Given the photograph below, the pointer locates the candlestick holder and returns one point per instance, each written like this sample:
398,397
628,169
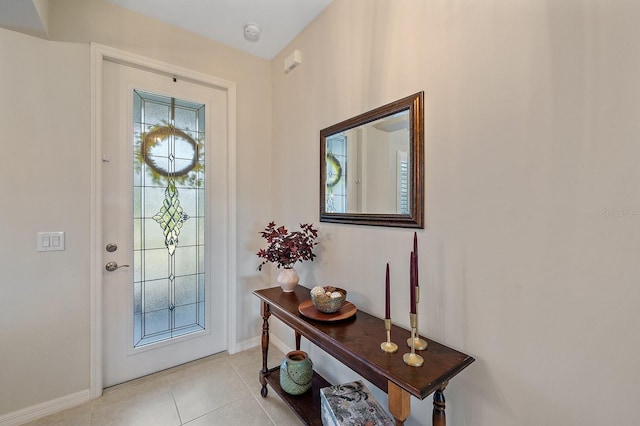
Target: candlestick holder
388,346
413,359
418,343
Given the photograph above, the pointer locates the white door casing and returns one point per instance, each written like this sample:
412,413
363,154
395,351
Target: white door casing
157,77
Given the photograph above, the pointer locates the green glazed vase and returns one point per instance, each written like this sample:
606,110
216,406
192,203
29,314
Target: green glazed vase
296,373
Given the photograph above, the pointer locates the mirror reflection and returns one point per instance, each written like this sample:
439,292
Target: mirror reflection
371,167
367,170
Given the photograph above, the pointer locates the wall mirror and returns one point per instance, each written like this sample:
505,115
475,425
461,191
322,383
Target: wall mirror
372,167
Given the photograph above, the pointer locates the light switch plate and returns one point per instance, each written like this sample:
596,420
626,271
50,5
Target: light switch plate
50,241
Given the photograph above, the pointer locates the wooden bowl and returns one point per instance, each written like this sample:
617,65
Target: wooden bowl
325,302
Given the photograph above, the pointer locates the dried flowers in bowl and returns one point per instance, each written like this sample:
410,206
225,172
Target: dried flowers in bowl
328,299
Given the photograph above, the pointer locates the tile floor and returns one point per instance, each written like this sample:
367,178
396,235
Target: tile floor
221,390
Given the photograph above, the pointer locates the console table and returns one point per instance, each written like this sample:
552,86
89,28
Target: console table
355,342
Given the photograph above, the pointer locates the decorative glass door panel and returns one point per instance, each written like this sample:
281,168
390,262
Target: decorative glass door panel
336,198
169,218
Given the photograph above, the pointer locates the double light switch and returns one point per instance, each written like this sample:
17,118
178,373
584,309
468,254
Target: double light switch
50,241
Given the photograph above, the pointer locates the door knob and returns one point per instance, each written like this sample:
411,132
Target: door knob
112,266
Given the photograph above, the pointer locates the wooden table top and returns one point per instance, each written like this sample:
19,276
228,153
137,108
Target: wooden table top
355,342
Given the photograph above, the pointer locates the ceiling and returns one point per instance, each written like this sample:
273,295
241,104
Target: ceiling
21,16
280,21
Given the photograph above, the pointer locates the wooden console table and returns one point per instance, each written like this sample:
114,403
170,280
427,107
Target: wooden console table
355,342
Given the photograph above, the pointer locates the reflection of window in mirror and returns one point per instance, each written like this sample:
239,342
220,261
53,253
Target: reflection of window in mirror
402,182
336,190
376,176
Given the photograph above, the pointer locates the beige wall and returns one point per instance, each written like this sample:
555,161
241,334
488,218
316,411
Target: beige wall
45,116
529,257
45,175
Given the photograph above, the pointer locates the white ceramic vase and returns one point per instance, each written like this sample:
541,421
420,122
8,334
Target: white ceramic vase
288,279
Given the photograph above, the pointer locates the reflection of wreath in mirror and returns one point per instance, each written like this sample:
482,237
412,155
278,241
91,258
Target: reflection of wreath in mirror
334,170
156,135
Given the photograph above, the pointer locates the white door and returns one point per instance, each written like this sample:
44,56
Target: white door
164,183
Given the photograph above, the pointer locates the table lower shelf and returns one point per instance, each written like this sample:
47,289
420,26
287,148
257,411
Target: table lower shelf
307,405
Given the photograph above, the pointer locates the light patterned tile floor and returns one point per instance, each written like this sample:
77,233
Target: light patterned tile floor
218,390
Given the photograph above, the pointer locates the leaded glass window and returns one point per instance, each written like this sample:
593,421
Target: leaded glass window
336,191
169,217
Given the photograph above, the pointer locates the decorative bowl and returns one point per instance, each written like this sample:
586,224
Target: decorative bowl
328,299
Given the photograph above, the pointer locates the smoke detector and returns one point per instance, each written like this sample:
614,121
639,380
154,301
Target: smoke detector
252,32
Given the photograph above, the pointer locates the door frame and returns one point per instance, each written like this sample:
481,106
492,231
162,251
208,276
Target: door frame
99,54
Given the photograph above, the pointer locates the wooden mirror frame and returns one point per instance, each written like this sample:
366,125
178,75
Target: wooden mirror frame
415,219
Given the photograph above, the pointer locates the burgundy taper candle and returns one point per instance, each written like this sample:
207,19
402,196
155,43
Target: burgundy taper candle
415,250
412,282
387,306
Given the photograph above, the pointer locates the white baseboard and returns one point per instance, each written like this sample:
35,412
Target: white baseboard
44,409
257,341
273,340
245,344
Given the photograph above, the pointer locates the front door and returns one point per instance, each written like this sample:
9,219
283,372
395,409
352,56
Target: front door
164,183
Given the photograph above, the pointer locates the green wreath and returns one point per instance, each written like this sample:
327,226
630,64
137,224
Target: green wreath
334,170
152,138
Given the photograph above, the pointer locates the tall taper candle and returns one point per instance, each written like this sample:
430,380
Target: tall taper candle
412,282
415,250
387,310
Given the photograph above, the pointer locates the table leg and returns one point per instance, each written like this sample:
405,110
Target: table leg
399,403
266,313
439,418
298,341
